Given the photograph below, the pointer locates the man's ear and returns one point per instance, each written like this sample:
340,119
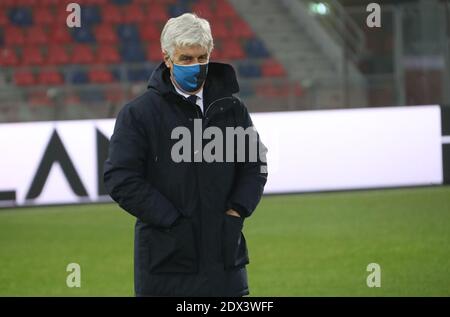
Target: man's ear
166,59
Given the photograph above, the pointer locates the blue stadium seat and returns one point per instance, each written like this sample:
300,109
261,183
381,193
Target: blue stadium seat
249,70
133,53
90,15
128,33
78,77
256,49
121,2
141,74
83,35
178,9
21,16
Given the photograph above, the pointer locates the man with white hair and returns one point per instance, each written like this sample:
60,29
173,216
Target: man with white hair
190,213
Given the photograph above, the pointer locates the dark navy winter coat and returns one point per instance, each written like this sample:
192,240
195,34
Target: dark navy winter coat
185,244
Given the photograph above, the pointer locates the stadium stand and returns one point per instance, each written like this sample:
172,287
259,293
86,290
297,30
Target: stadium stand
118,42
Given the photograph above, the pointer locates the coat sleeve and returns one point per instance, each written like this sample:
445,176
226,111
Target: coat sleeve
251,177
124,173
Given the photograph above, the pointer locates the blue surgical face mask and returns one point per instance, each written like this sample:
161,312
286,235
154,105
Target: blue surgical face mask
190,77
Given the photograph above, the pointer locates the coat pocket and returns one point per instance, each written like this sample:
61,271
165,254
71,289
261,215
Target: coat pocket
173,250
234,247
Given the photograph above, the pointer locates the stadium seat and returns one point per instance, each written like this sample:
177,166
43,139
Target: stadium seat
57,55
249,70
47,3
149,32
82,54
219,29
133,53
60,36
271,68
8,57
100,76
42,16
78,77
83,35
225,10
90,15
105,34
256,49
24,78
128,33
3,18
13,36
32,56
121,2
240,29
177,9
154,53
203,9
36,36
20,16
107,54
112,14
157,13
232,49
134,14
50,77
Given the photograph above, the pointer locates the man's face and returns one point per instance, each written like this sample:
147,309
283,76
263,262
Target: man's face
187,55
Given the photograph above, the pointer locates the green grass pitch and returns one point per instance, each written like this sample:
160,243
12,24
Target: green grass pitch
299,245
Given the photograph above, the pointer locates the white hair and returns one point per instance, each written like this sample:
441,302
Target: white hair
186,30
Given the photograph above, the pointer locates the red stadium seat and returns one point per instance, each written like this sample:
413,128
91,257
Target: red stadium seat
3,18
134,14
225,10
50,77
13,36
8,57
149,32
7,3
36,36
240,29
232,49
100,76
203,9
43,16
82,54
157,13
154,53
32,56
57,55
219,29
60,35
45,3
24,78
107,55
216,54
105,34
271,68
112,14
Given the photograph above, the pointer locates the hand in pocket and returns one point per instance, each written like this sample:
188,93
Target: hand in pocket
234,247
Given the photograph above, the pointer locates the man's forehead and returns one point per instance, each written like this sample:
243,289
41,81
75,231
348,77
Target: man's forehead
190,50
